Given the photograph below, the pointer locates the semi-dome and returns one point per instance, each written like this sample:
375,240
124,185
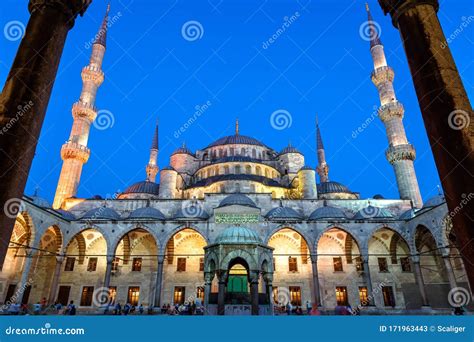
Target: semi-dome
237,199
370,212
327,213
143,187
66,214
434,201
238,235
283,213
332,187
101,213
236,139
147,213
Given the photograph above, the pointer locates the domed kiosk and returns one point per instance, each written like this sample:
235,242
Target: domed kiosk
237,258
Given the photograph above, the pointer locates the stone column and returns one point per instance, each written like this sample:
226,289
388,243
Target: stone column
26,94
419,280
108,273
316,289
222,277
54,284
25,280
269,290
254,275
367,278
208,276
449,270
159,281
446,110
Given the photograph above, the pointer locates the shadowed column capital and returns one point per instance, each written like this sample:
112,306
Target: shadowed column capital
70,8
398,7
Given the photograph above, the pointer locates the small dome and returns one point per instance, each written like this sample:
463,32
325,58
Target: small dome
332,187
409,214
238,235
289,149
170,168
101,213
147,213
236,139
434,201
237,199
327,213
378,196
308,168
66,214
283,213
182,150
143,187
372,212
40,201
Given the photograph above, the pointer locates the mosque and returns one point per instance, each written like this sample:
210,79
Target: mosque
236,226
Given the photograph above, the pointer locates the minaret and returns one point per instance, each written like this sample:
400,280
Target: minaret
152,167
237,126
74,152
400,153
323,168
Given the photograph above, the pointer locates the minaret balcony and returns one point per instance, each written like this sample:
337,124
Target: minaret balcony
84,110
382,74
400,152
391,110
92,73
71,150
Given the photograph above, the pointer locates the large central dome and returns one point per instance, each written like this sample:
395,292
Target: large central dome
236,139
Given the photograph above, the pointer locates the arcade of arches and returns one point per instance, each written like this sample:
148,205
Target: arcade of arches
333,269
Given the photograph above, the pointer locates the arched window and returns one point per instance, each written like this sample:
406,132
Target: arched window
258,170
237,187
208,173
242,151
226,170
274,174
254,153
221,188
252,187
216,171
237,169
231,151
225,153
248,169
266,173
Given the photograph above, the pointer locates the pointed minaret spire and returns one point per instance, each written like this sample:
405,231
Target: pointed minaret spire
152,167
101,36
323,168
237,126
373,32
400,152
75,152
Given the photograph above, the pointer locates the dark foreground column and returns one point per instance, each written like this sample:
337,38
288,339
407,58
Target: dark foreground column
254,277
446,110
25,97
420,282
159,281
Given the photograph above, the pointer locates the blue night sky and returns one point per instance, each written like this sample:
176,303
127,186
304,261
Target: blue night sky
319,64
